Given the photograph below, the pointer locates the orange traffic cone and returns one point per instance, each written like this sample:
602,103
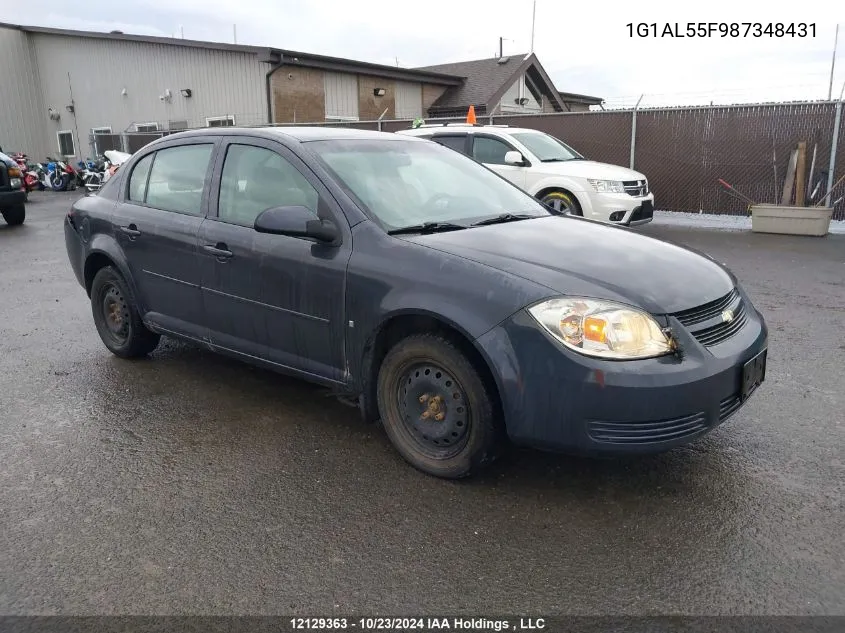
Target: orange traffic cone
471,115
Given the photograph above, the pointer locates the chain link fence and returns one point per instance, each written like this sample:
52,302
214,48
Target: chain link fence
683,152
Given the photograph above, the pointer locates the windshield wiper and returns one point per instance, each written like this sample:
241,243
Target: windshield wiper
505,217
427,227
561,160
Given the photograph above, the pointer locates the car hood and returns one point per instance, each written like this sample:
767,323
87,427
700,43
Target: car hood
590,169
572,256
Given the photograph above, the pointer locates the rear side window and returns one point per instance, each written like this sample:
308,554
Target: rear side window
457,143
489,150
256,179
177,178
138,180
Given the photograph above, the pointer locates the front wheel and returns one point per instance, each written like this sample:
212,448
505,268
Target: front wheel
58,181
436,408
562,202
116,316
15,215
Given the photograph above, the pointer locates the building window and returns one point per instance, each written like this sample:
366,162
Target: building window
220,121
175,126
341,96
408,100
66,147
101,130
146,127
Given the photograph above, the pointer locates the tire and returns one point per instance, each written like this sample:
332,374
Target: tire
562,202
116,316
15,215
58,182
425,376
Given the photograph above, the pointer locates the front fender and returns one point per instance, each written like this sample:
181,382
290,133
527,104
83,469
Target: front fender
557,181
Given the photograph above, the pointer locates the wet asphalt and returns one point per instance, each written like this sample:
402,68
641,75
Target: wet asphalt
189,483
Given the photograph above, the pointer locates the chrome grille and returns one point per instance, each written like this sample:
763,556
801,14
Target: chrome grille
635,188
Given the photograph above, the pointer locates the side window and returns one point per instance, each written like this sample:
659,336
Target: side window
138,180
177,178
457,143
489,150
255,179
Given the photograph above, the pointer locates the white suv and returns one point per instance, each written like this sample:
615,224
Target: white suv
551,171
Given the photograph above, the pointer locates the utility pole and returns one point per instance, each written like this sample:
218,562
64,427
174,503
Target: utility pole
833,64
533,21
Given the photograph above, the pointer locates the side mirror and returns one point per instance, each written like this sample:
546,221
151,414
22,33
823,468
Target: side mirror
514,158
296,222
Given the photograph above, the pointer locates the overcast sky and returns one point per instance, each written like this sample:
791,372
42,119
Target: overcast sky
584,45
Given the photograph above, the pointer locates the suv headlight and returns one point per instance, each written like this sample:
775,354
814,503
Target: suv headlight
607,186
602,328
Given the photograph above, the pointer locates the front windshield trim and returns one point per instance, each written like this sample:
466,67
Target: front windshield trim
333,153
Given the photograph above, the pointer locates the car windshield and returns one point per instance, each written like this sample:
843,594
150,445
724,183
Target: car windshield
404,183
546,148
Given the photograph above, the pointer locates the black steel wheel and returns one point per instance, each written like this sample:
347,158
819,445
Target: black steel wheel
436,408
116,316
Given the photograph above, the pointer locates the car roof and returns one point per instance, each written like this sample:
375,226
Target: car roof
430,130
303,134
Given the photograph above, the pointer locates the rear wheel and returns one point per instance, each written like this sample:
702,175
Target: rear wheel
15,215
562,202
116,316
436,408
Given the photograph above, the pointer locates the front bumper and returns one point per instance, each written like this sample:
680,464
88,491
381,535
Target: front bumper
554,398
618,208
12,198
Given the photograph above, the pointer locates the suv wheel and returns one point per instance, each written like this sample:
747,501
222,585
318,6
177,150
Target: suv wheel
562,202
116,316
436,409
15,215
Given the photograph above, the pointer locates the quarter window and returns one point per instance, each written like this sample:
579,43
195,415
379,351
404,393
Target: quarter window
453,142
255,179
177,178
138,180
489,150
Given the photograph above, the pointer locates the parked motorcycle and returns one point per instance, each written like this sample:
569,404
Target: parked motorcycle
60,175
30,177
92,174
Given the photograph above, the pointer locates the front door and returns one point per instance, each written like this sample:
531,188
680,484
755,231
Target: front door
490,151
272,297
157,227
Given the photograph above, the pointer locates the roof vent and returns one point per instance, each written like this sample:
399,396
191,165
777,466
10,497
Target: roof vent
503,60
115,32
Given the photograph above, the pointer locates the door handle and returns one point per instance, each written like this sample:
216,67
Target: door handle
219,250
131,230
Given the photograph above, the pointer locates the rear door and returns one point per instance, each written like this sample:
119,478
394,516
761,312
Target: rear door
490,151
157,224
273,297
457,142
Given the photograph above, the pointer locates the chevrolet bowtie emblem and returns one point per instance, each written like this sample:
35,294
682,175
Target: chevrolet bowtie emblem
727,316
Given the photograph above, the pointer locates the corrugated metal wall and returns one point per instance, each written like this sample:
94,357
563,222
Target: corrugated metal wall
408,100
341,95
221,82
22,112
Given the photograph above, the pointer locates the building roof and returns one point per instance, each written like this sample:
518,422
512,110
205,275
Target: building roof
573,97
264,54
484,78
488,79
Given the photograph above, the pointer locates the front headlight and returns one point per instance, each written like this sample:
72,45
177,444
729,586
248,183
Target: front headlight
602,328
607,186
15,183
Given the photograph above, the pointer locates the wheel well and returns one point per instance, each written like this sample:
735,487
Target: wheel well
548,190
93,264
402,326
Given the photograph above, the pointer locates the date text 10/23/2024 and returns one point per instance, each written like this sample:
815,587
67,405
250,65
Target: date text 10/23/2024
721,29
405,624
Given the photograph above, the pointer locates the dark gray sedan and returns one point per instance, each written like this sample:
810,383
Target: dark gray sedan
455,308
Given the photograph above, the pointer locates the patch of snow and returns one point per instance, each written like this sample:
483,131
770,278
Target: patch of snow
720,222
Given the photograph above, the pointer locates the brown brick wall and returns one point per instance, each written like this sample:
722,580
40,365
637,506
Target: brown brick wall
300,98
430,94
370,107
